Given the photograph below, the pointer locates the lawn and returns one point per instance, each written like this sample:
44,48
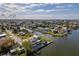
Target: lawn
57,34
43,39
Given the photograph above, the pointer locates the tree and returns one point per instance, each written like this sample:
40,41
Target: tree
2,28
28,47
14,30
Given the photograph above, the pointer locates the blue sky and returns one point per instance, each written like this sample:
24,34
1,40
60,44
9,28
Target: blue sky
39,11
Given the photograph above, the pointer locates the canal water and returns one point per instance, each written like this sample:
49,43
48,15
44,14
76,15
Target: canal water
64,46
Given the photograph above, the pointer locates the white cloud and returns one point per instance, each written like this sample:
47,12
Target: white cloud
40,10
50,11
58,6
15,9
12,9
31,5
70,5
22,12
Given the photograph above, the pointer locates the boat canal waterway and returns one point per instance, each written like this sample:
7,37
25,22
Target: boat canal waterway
64,46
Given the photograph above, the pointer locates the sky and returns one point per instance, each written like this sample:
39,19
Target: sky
39,11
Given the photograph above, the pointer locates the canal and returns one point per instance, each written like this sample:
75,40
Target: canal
64,46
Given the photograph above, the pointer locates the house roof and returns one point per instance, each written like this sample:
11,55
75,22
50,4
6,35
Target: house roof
2,34
6,42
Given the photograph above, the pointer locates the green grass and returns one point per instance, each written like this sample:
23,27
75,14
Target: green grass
43,39
56,35
59,35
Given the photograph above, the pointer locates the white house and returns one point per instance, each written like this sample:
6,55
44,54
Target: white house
2,35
